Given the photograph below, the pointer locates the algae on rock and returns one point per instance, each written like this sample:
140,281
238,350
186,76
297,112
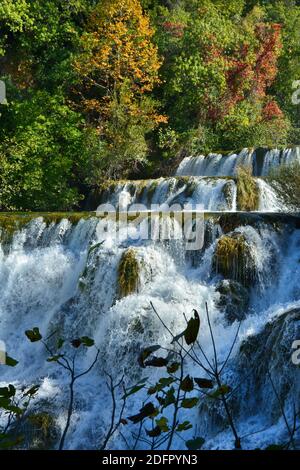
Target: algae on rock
128,273
233,259
247,190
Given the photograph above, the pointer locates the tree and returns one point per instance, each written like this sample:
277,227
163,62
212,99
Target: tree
44,150
218,71
117,69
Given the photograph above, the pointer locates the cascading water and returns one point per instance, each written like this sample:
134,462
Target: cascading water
209,182
261,161
65,276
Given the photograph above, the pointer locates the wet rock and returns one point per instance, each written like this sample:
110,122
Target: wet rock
234,300
269,353
233,259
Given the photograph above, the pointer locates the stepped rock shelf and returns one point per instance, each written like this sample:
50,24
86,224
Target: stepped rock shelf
58,272
211,182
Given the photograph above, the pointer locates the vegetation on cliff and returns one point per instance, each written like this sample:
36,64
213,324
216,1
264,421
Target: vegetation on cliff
119,88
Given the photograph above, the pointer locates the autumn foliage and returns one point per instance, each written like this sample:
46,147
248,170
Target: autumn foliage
117,48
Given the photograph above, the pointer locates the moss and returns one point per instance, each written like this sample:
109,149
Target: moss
128,273
10,223
233,259
247,190
151,190
42,430
230,221
227,193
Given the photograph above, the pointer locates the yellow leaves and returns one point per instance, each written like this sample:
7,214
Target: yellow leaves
117,50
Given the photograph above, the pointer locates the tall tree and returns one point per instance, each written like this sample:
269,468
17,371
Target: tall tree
117,70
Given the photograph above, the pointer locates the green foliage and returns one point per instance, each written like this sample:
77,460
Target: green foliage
96,90
14,409
286,179
43,153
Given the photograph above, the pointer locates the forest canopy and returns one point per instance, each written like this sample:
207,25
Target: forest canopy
119,88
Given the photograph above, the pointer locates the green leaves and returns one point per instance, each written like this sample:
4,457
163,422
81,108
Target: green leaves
195,444
162,423
190,334
192,330
88,342
221,391
169,398
55,358
157,362
160,385
33,335
136,388
189,402
84,340
145,353
204,383
154,361
7,392
11,362
173,367
187,385
146,411
184,426
32,391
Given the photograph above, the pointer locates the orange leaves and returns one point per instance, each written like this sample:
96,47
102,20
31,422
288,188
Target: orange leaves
117,48
121,45
272,111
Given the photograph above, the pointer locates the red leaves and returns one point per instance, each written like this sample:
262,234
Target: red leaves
248,75
272,111
174,29
266,63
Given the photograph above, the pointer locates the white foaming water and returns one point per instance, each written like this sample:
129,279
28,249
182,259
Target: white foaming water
215,164
268,199
275,157
207,192
58,277
211,194
226,165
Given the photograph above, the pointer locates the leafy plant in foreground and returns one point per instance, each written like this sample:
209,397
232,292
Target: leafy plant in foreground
66,361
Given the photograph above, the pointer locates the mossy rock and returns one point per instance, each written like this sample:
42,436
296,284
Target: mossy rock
10,223
234,300
128,273
233,259
37,432
44,431
247,190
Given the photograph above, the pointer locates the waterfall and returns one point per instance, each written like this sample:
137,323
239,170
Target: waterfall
60,275
215,164
212,194
260,160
